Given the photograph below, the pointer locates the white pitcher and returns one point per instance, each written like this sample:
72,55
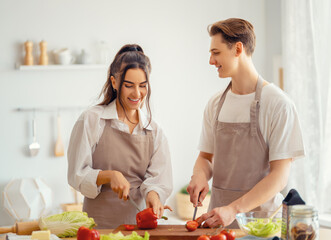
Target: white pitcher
63,56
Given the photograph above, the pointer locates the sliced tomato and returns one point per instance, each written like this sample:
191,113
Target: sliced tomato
129,227
199,221
191,225
230,234
220,236
203,237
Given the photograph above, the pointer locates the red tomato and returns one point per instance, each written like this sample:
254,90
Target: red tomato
199,221
230,234
220,236
191,225
203,237
129,227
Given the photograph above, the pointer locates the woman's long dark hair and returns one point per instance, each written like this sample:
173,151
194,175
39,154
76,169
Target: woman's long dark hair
130,56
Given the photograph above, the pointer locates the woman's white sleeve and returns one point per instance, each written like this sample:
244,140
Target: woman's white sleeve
81,175
158,176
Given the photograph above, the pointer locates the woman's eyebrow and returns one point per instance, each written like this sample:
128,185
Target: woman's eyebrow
133,83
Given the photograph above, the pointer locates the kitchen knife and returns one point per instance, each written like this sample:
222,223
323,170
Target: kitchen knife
196,208
134,204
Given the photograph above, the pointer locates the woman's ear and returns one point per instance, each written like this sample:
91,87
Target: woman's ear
239,48
113,82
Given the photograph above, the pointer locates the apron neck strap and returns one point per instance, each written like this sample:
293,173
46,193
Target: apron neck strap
255,107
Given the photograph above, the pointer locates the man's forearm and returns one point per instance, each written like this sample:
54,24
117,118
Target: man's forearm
267,188
203,166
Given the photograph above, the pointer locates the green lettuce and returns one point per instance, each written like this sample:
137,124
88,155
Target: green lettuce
66,224
119,236
260,228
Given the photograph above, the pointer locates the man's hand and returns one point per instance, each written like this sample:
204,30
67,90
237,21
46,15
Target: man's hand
219,216
197,184
202,172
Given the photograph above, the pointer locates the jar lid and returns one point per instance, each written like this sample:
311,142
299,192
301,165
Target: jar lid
303,210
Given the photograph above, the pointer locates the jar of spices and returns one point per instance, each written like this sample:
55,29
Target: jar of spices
303,223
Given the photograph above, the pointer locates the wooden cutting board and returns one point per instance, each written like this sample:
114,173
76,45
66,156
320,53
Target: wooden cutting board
172,232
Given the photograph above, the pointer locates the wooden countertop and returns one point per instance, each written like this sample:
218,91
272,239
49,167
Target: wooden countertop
325,234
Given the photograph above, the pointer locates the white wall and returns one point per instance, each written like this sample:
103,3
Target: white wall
172,33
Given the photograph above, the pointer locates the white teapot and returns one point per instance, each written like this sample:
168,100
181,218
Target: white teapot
63,56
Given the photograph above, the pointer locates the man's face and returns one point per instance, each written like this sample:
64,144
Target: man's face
223,57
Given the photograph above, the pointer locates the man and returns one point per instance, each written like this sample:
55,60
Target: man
250,133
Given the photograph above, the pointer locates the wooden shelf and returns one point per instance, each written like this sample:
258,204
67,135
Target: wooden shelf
61,67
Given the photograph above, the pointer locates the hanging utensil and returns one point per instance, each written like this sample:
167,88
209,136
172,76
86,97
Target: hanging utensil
59,148
34,146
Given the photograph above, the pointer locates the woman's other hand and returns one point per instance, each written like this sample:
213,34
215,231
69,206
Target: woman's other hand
153,201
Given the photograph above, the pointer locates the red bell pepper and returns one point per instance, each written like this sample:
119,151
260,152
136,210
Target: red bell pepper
146,219
85,233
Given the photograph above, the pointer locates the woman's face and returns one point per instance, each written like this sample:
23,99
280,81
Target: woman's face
223,57
134,89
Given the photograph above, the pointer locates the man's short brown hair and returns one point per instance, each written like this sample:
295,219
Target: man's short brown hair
235,30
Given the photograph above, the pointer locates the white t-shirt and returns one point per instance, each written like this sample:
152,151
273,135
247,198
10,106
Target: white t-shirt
278,121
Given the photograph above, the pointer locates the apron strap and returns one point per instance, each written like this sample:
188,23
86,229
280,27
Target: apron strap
255,107
220,104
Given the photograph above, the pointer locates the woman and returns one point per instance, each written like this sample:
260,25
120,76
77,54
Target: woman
250,133
117,152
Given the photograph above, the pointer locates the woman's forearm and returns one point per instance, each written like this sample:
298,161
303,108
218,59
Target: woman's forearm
104,177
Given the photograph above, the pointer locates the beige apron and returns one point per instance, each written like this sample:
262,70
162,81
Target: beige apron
130,155
240,157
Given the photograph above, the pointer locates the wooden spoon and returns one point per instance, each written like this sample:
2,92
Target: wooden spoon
59,149
275,212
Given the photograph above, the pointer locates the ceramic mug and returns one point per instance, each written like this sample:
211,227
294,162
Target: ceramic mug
63,56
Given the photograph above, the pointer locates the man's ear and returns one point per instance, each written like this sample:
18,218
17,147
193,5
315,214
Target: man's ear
113,82
239,48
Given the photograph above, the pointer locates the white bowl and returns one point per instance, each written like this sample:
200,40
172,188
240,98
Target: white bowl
258,224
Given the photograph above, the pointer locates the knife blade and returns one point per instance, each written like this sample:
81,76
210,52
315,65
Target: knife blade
134,203
196,208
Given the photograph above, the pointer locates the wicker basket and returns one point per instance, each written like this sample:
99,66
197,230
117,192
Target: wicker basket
185,208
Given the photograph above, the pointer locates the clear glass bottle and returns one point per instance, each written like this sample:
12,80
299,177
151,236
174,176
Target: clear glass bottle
303,223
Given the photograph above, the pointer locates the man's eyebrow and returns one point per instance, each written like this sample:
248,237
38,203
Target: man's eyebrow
213,49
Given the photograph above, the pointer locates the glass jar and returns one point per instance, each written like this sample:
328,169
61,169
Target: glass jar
303,223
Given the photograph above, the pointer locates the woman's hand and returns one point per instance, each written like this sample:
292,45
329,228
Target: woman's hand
197,184
119,184
219,216
153,201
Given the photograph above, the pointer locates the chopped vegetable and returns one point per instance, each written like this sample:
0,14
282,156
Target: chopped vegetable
85,233
146,219
129,227
119,236
66,224
261,228
191,225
